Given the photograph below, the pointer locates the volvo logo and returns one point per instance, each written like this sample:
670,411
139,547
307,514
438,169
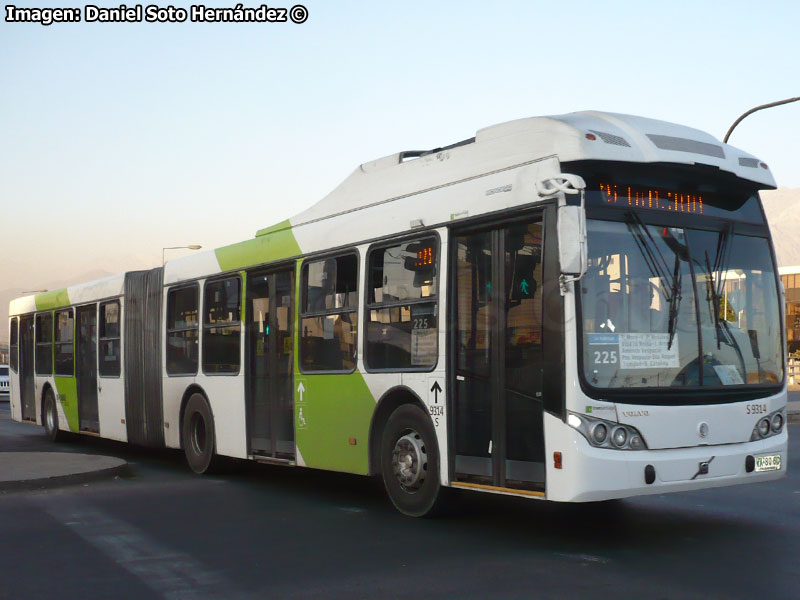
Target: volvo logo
702,429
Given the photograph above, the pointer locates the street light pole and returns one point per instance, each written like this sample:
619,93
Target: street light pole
164,250
757,108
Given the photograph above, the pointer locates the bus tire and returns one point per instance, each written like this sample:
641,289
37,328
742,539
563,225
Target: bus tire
199,440
410,462
50,418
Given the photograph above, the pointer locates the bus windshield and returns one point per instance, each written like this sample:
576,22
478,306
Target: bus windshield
678,307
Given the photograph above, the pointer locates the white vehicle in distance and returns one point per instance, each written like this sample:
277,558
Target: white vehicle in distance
4,384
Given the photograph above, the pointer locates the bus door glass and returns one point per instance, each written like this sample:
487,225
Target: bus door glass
27,390
87,368
270,351
497,278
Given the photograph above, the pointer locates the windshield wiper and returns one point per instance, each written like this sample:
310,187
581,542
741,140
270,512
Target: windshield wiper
716,288
675,300
659,269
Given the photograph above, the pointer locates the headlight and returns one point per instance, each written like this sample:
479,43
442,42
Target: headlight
619,437
599,433
777,422
770,425
607,434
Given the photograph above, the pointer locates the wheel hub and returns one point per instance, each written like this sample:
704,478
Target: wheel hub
50,416
198,434
410,461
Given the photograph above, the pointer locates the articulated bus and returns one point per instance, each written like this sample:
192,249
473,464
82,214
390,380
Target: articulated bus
573,308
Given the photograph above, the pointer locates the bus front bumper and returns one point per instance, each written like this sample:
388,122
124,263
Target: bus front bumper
591,474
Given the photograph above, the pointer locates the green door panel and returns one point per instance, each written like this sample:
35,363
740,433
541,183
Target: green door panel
68,395
330,411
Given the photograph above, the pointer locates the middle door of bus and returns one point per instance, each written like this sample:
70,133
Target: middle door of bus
496,275
26,369
86,370
270,363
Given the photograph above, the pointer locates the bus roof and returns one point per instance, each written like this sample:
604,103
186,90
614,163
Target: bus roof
617,137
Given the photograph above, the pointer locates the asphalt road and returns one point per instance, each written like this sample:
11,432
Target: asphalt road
275,532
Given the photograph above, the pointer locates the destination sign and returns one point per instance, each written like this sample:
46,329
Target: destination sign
635,196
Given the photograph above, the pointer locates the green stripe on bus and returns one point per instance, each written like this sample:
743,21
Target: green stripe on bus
274,243
68,395
52,299
332,412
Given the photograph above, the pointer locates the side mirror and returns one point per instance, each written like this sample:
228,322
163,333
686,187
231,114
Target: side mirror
571,240
572,254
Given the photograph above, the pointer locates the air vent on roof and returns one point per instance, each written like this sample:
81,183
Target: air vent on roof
610,138
667,142
748,162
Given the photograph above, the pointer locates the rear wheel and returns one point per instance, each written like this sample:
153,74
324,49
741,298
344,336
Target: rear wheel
50,417
199,441
410,462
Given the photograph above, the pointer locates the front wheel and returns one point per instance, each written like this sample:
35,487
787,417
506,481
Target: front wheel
198,435
410,462
50,418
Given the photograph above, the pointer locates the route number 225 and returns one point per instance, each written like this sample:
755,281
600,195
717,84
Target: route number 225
605,357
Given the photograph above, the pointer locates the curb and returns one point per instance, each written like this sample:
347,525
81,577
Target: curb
116,466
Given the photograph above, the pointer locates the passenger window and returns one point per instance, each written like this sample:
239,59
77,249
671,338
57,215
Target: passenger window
329,324
182,326
109,358
65,323
402,326
44,344
222,326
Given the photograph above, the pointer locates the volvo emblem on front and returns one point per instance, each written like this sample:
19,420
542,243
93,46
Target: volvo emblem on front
702,429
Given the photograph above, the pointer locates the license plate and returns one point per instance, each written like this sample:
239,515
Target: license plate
768,462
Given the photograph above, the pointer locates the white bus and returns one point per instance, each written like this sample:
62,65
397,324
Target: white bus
572,308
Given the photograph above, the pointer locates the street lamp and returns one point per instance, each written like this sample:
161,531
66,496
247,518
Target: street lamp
189,247
757,108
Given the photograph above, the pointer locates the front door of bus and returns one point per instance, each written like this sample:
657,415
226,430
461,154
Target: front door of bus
497,277
87,368
270,363
26,385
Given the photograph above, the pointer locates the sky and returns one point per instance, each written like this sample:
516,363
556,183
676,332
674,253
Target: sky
117,140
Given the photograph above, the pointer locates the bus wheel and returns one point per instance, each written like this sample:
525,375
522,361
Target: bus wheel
198,435
410,462
50,418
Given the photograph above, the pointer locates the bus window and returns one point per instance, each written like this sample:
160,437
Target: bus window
13,351
402,328
109,339
64,346
329,329
222,326
44,344
182,331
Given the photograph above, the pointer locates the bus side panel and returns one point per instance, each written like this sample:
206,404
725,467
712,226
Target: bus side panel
173,389
15,396
226,397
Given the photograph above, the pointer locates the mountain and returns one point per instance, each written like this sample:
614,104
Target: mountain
782,207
